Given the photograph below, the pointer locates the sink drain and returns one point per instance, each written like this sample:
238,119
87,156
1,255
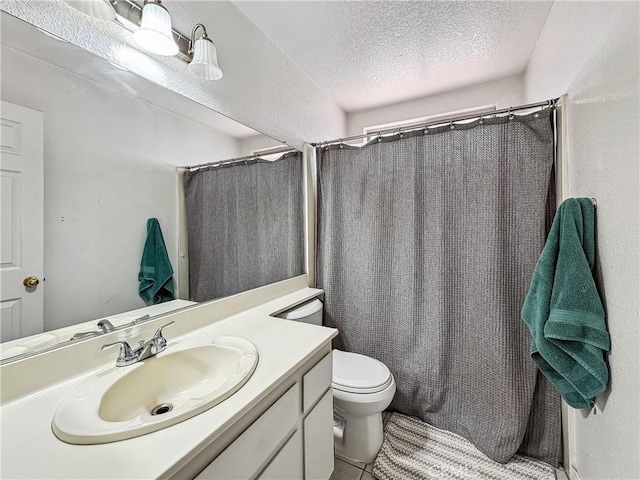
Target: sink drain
162,408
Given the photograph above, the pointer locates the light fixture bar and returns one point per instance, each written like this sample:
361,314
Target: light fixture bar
131,13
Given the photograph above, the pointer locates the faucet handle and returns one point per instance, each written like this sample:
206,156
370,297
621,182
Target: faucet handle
125,350
106,326
140,319
159,342
158,333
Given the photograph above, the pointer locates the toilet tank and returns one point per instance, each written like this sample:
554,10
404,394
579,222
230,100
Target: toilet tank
310,312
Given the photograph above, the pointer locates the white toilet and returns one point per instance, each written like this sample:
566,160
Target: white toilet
362,388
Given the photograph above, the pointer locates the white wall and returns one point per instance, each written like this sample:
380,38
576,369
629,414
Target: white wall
109,162
590,52
257,142
504,93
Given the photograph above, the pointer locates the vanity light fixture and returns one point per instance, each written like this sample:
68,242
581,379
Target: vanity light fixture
205,57
155,33
151,27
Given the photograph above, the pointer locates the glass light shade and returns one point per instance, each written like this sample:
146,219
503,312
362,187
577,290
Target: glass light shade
154,33
101,9
205,60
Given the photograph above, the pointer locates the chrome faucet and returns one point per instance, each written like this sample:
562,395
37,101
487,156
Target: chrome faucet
150,348
106,326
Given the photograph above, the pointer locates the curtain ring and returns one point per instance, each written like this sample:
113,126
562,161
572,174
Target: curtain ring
481,121
379,137
451,125
341,144
510,113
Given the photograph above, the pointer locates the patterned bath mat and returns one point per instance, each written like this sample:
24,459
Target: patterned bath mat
414,450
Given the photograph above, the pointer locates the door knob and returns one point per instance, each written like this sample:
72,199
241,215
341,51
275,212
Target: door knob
31,281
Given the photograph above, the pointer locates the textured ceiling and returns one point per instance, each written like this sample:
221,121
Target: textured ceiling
366,54
292,67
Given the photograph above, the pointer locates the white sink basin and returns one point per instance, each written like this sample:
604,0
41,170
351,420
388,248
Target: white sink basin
189,377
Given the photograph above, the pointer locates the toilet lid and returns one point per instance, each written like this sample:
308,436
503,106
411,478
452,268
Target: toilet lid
357,373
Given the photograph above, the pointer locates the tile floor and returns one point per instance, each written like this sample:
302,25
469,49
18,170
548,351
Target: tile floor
347,469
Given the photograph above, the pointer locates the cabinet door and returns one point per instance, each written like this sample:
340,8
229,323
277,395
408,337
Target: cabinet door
287,464
318,440
253,448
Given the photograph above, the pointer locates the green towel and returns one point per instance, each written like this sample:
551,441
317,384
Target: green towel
156,273
563,309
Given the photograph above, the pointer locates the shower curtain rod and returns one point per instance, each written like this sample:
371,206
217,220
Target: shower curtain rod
421,126
254,158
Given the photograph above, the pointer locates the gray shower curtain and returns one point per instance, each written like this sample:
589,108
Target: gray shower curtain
426,246
245,226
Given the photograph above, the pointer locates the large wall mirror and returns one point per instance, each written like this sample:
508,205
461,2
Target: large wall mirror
112,143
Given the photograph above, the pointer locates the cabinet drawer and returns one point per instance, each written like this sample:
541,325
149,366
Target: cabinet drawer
287,465
316,381
256,444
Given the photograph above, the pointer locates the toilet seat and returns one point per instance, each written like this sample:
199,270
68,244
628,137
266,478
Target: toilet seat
355,373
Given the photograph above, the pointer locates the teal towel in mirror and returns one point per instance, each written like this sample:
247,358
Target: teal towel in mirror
156,274
563,309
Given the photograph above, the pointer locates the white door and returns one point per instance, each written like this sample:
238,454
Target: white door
21,216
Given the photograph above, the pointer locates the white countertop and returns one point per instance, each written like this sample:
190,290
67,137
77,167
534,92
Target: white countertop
29,448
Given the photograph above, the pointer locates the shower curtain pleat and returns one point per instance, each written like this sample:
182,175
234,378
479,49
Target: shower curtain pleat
426,246
244,226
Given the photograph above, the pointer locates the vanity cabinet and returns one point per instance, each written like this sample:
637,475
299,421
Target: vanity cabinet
291,440
288,462
279,425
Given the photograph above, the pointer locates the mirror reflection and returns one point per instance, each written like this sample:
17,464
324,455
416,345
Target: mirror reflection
108,144
260,203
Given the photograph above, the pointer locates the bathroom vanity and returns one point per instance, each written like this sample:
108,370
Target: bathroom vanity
277,426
